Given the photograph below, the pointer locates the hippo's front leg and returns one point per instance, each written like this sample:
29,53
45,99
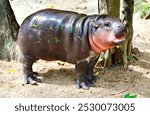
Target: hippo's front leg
91,78
84,70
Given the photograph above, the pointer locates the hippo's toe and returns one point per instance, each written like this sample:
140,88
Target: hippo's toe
32,80
83,85
92,79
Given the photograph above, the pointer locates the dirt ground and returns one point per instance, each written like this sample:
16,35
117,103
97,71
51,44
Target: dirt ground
59,80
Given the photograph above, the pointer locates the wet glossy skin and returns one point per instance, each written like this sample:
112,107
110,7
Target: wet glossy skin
67,36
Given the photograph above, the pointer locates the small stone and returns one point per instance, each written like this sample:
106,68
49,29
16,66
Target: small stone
23,84
130,67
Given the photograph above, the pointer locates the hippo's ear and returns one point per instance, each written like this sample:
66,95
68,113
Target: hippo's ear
95,24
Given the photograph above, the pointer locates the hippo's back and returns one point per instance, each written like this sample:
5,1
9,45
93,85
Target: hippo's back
50,19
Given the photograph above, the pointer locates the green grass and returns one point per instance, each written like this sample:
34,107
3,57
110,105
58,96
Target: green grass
129,58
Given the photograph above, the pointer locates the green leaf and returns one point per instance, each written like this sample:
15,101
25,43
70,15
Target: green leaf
129,95
97,73
57,40
11,71
52,6
34,26
129,58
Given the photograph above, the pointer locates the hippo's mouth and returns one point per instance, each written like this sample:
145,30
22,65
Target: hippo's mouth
120,38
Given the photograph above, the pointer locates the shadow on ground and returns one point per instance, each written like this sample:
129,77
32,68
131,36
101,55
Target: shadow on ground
114,82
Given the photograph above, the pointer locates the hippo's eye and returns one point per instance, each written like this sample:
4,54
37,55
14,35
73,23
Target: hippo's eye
107,24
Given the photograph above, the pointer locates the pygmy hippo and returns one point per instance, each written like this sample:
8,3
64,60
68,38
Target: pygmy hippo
71,37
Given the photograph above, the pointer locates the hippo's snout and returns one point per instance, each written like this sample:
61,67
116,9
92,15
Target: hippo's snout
120,32
119,28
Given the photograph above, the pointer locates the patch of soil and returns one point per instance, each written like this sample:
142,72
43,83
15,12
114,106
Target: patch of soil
59,78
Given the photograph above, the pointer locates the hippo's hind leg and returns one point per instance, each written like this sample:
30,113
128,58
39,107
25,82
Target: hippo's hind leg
27,63
91,78
82,73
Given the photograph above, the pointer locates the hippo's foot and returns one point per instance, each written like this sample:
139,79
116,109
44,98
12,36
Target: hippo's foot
83,85
32,80
92,79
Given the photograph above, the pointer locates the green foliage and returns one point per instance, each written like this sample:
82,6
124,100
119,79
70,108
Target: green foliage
145,9
142,7
129,95
129,58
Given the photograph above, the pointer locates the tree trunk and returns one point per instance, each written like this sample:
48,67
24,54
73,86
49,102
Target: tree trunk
127,17
8,31
111,7
119,55
114,8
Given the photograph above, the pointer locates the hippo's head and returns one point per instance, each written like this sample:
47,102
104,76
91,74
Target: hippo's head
106,32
